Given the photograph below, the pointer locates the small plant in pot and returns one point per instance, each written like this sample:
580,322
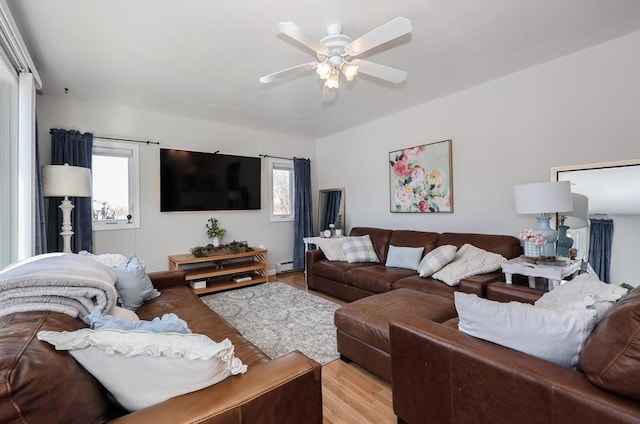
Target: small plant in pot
338,225
215,232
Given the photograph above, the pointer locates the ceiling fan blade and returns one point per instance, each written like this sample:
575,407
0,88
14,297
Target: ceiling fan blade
383,72
293,31
390,31
288,72
328,94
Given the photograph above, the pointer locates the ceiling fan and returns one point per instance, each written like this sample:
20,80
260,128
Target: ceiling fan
336,53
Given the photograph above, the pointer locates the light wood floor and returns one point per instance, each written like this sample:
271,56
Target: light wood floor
350,395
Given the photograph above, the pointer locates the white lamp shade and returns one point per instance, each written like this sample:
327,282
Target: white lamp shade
550,197
65,180
578,218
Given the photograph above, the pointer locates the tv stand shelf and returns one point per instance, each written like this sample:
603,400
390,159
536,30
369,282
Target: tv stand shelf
219,270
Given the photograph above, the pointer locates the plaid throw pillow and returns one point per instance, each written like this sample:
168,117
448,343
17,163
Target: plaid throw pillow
436,260
359,249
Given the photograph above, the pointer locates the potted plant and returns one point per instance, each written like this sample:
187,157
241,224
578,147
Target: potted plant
338,225
215,232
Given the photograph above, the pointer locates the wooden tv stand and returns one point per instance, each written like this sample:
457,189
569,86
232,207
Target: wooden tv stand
219,270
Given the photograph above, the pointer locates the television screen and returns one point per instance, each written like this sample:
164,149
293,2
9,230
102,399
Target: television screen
196,181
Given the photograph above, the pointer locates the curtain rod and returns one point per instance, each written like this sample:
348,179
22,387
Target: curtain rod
275,157
127,139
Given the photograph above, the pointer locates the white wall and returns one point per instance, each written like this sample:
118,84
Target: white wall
577,109
163,234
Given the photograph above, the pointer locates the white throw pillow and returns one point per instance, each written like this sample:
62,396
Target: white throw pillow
107,259
359,249
469,260
585,291
332,249
141,369
404,257
556,336
436,260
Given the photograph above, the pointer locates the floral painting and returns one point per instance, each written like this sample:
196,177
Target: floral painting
420,178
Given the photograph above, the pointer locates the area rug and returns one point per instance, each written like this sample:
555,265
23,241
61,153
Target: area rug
279,319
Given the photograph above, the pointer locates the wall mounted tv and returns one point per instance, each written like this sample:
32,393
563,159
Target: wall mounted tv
196,181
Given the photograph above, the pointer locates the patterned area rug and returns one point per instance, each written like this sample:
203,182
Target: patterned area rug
279,319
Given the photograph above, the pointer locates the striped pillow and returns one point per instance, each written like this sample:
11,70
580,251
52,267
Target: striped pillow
359,249
436,260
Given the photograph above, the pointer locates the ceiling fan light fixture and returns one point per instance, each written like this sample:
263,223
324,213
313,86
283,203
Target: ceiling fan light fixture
324,70
332,81
350,71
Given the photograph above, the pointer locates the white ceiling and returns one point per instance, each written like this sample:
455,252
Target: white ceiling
203,58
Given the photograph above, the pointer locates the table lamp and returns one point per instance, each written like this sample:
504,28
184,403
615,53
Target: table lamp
576,219
545,199
65,181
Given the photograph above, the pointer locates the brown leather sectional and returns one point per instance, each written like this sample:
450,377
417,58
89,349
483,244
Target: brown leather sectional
41,385
357,280
381,294
441,375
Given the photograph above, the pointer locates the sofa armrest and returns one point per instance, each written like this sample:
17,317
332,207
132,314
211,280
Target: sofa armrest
163,279
503,292
436,369
312,256
477,284
284,390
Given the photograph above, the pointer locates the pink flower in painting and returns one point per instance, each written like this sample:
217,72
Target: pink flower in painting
423,206
421,194
444,203
404,195
435,177
414,151
417,173
401,167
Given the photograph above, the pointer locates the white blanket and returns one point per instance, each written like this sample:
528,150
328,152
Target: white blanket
58,282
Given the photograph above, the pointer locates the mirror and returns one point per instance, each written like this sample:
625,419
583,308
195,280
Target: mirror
330,208
613,193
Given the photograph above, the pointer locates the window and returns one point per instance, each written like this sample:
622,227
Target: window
281,177
115,180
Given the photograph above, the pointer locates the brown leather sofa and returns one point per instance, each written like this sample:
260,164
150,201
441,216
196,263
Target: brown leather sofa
441,375
41,385
357,280
385,293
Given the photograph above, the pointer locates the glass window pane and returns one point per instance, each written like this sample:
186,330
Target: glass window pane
110,176
281,192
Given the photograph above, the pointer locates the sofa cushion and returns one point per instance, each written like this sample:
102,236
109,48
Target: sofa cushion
368,319
611,356
410,238
359,249
435,260
379,237
556,336
134,285
376,278
135,365
469,260
425,285
507,246
332,248
404,257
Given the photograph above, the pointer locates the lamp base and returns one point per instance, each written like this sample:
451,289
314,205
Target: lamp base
549,233
66,207
564,242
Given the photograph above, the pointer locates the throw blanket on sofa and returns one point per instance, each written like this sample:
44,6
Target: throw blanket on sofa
57,282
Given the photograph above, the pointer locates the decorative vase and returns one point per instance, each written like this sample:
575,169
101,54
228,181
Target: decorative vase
338,232
215,242
531,250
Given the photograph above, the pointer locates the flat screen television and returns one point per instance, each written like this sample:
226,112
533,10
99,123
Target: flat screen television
197,181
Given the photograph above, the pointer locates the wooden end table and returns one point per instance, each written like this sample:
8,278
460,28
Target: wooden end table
555,274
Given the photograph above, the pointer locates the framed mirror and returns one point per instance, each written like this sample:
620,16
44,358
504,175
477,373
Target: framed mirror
330,208
613,193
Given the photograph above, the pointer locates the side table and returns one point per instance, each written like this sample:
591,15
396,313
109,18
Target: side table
555,274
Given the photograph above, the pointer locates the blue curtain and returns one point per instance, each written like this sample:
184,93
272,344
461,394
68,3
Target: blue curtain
73,148
600,242
333,208
40,227
303,224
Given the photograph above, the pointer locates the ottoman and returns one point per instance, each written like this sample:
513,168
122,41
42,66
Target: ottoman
363,325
